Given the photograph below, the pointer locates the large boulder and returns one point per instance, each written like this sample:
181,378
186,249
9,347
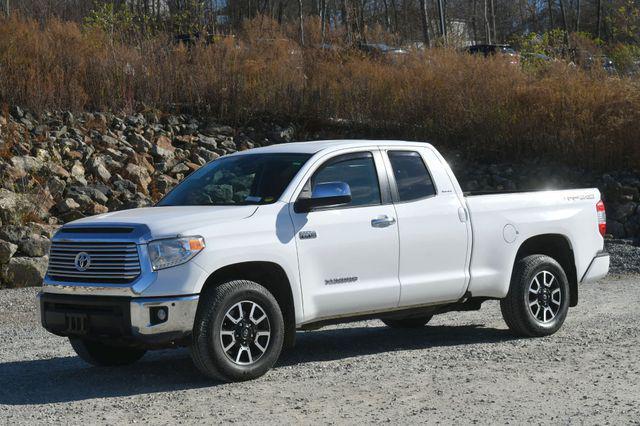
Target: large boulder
7,250
34,245
162,154
77,172
99,169
67,205
207,142
17,233
14,233
10,204
228,145
632,226
27,163
15,208
615,228
620,212
139,142
206,154
165,183
24,271
139,175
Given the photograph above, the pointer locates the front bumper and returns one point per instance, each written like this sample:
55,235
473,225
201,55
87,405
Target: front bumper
136,321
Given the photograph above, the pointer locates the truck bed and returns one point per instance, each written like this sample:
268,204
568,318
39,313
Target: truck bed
506,219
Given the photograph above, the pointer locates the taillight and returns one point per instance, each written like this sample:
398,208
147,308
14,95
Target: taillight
602,218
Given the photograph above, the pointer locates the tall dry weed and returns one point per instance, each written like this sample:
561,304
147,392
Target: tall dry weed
484,107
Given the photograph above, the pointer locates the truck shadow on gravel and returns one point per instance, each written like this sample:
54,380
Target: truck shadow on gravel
67,379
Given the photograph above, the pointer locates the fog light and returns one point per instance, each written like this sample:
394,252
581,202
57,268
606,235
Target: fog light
159,314
162,314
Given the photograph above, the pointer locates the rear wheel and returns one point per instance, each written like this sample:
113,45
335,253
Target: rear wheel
538,299
238,333
105,355
411,322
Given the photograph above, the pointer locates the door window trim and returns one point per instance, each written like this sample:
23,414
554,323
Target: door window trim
384,186
395,195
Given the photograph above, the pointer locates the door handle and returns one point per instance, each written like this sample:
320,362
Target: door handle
383,221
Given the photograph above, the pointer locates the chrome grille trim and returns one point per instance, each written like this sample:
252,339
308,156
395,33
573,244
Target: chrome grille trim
110,262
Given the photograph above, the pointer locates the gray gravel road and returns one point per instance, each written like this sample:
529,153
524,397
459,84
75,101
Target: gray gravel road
463,368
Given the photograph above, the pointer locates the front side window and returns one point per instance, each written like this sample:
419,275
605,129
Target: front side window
237,180
412,177
358,171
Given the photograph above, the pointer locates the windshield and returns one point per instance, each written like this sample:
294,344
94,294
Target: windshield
237,180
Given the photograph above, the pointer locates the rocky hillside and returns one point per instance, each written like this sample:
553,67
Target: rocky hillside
58,167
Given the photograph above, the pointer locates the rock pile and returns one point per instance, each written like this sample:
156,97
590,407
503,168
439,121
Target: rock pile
620,189
58,167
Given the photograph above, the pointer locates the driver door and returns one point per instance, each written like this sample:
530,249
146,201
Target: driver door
348,254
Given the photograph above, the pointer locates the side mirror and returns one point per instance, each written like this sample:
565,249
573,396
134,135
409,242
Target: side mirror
324,195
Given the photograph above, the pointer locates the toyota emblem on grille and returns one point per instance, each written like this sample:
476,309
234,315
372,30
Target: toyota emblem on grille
82,261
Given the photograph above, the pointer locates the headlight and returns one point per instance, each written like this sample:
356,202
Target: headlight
174,251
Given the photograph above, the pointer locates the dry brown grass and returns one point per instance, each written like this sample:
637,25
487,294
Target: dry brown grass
483,107
9,133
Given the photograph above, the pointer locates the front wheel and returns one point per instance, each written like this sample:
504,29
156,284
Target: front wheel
538,299
238,332
104,355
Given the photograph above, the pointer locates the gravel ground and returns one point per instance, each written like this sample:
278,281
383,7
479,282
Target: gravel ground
625,256
462,368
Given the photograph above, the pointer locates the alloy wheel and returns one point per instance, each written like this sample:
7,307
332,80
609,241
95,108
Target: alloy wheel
245,332
544,297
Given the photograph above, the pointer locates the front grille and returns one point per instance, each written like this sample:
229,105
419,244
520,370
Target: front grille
109,262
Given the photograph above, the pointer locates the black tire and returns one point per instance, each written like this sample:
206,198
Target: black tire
207,350
518,315
411,322
104,355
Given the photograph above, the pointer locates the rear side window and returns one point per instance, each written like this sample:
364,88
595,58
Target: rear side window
412,177
359,173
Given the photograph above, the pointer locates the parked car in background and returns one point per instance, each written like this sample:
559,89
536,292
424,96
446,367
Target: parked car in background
381,50
495,49
594,62
536,60
536,57
608,65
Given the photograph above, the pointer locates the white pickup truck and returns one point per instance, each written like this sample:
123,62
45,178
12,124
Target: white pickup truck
256,245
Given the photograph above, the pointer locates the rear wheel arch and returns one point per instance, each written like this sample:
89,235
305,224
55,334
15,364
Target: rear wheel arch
269,275
558,247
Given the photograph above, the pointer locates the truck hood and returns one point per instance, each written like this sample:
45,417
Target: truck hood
170,220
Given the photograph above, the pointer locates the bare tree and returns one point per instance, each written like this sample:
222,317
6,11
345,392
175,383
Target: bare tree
346,20
550,6
387,17
577,15
487,28
493,20
424,14
323,17
564,17
599,18
474,22
301,18
443,24
395,15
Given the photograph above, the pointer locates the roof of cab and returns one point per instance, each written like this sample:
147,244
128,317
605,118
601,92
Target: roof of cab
317,146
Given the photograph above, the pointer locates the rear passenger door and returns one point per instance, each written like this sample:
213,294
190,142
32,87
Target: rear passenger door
433,231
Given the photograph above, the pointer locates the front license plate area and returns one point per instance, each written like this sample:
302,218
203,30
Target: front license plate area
76,323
